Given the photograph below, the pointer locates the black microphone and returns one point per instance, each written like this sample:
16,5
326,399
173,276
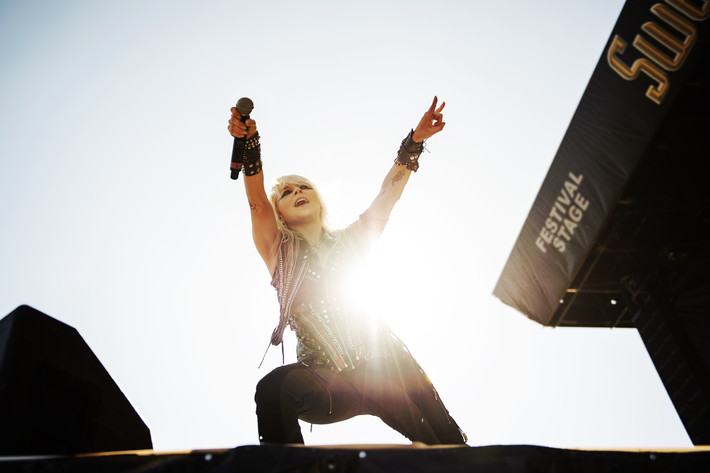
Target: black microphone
244,107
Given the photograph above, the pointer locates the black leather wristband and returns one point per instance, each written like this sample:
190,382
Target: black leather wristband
409,151
252,156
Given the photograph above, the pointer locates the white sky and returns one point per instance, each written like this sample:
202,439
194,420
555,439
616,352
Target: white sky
118,217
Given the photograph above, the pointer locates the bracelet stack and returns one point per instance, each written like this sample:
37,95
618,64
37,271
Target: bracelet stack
252,156
409,151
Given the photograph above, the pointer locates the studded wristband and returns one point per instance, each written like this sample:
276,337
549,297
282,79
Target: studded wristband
252,156
409,151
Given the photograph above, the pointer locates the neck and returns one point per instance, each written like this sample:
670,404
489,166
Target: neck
312,232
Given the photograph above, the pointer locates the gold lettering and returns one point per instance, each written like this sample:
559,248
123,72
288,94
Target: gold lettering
692,12
679,49
640,65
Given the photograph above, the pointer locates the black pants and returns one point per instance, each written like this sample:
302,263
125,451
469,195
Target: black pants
398,392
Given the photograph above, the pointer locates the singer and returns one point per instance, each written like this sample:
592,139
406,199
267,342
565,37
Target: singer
347,365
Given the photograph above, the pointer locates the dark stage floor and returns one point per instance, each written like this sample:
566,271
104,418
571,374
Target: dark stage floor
374,458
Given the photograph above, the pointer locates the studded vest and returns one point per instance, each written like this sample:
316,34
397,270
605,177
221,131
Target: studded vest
314,292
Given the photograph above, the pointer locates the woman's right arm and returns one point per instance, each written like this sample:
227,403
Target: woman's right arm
263,221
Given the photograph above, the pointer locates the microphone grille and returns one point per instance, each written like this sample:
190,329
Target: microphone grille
245,106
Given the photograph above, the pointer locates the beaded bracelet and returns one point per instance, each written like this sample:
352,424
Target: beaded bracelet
409,151
252,156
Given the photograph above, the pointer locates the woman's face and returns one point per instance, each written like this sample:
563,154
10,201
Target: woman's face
298,204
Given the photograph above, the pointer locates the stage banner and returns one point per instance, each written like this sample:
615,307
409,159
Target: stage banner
649,55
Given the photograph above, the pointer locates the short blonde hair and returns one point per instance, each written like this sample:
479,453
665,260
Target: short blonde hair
276,190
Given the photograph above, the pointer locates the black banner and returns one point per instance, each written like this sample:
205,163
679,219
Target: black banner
646,61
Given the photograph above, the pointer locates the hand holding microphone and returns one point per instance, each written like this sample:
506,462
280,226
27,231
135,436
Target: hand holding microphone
242,128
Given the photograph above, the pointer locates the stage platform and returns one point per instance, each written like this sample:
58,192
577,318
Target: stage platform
375,459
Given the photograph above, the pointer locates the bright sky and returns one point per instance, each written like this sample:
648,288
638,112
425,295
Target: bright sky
118,217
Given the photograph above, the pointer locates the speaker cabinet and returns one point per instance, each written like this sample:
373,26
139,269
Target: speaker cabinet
55,395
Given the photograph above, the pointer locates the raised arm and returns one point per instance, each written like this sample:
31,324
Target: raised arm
263,222
406,163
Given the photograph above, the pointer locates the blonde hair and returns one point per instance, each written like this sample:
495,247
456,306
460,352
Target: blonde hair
276,190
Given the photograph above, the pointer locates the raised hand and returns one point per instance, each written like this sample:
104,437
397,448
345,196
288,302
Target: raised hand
239,129
431,123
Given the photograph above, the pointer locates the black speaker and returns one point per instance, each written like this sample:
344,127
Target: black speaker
55,395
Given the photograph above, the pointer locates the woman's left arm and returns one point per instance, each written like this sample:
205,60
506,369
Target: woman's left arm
397,177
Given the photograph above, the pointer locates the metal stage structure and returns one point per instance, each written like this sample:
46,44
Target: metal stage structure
619,234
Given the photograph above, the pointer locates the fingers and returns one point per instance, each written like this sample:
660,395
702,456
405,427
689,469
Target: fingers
437,117
251,128
239,129
434,113
433,105
236,127
438,110
432,122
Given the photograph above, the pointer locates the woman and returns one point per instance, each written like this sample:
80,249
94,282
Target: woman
347,365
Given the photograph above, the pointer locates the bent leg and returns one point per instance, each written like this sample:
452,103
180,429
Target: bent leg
279,397
293,392
401,395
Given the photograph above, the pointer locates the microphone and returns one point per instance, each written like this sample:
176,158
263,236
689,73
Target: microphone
244,107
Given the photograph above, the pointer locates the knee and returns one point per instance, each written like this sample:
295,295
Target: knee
270,388
266,390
